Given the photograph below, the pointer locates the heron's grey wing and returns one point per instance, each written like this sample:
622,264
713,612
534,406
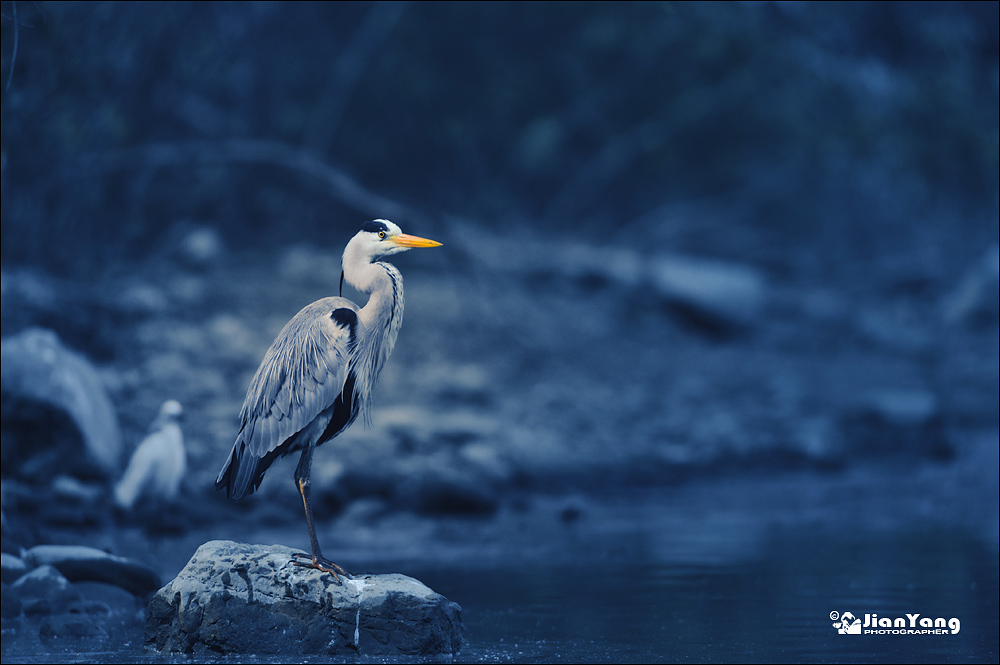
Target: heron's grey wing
302,374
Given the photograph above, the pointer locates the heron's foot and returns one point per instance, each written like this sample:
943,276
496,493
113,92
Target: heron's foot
305,560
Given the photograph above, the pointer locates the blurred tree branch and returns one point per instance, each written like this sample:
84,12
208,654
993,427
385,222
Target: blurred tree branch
17,25
13,55
336,183
347,71
600,99
620,153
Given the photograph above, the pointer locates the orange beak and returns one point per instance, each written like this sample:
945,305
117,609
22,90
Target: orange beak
406,240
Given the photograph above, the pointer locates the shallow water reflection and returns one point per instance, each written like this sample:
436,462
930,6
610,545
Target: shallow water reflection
775,608
659,580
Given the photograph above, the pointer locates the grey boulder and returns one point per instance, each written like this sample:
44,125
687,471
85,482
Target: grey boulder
12,567
57,415
79,564
240,598
44,591
714,294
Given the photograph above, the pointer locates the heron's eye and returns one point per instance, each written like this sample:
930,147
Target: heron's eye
381,234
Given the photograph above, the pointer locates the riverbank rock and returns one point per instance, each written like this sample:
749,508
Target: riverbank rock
897,422
87,564
44,591
239,598
57,415
12,567
712,294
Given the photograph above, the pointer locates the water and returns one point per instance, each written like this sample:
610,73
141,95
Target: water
734,570
774,609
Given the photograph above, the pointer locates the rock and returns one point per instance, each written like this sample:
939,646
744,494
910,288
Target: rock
72,502
459,383
144,299
103,600
13,567
599,266
894,422
14,534
717,295
10,603
79,563
819,441
895,328
415,427
974,300
44,590
240,598
202,247
72,626
439,484
571,510
57,416
71,489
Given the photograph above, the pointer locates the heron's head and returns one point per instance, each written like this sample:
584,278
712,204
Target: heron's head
380,238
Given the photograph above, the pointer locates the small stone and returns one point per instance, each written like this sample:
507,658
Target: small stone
71,626
10,603
974,299
896,422
202,247
571,511
13,567
144,299
79,563
44,590
445,484
716,295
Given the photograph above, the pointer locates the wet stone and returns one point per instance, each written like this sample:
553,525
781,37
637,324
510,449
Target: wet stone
79,563
13,567
10,603
71,626
44,590
718,296
57,415
240,598
896,422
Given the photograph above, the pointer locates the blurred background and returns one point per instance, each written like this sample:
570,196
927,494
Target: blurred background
710,272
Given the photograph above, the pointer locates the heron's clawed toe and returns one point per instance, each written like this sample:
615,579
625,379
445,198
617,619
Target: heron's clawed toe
304,560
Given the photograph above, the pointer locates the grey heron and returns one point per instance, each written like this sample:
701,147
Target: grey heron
320,372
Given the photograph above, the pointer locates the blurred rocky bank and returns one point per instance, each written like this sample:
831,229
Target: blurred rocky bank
594,368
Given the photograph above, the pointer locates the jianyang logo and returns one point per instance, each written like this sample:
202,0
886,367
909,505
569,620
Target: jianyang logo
846,623
909,624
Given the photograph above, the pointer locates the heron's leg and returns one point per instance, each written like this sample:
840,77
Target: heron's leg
302,482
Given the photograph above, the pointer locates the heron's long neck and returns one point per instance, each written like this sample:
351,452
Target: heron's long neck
381,319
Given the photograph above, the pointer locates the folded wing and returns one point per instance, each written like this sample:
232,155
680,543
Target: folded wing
301,377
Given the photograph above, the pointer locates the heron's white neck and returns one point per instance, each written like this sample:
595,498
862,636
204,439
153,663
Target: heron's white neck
380,319
384,311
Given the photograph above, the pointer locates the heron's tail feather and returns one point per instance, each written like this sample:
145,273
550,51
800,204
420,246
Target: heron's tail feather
243,471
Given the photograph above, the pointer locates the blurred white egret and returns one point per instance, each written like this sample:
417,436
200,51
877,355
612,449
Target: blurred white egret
158,463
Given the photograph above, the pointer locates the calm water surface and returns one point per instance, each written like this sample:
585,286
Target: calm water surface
776,609
773,608
703,574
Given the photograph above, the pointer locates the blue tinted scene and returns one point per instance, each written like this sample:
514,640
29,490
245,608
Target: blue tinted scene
700,355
